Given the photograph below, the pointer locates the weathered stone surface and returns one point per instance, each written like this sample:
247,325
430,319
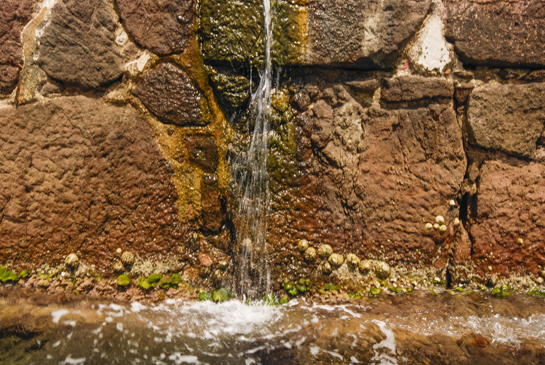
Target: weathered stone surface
170,94
411,88
79,175
351,33
367,180
163,27
212,213
462,92
14,14
510,205
497,33
203,152
360,32
233,91
78,44
507,118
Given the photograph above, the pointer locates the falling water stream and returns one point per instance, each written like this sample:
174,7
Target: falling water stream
254,274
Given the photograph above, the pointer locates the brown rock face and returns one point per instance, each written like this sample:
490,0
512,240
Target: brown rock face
497,33
511,205
409,88
360,32
14,14
78,44
163,27
507,118
212,212
77,174
203,152
170,94
367,180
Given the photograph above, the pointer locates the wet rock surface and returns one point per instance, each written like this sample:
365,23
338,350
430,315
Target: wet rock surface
78,45
79,175
507,118
510,206
212,213
14,14
497,33
162,27
367,180
169,93
203,152
317,32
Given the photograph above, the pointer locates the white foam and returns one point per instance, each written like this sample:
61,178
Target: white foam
58,314
388,343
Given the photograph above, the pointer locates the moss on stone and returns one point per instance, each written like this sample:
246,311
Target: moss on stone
123,280
143,283
24,274
7,275
154,279
204,296
221,295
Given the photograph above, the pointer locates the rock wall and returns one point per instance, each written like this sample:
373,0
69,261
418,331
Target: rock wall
406,132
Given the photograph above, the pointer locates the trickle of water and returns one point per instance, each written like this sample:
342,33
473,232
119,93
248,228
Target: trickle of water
253,269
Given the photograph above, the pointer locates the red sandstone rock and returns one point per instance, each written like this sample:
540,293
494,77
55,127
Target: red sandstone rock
14,14
507,118
163,27
77,174
367,180
170,94
78,43
510,205
497,33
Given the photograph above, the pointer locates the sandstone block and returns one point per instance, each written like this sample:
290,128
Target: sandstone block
77,174
78,46
170,94
507,118
412,88
497,33
163,27
14,14
352,33
510,205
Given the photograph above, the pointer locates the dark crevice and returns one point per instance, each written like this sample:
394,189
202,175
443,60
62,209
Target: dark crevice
448,276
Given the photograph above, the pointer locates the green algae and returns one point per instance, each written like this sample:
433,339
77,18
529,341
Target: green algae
143,283
221,295
204,296
500,291
284,300
154,280
7,275
270,299
24,274
123,280
375,291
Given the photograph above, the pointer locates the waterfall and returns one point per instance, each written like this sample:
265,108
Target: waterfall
254,273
